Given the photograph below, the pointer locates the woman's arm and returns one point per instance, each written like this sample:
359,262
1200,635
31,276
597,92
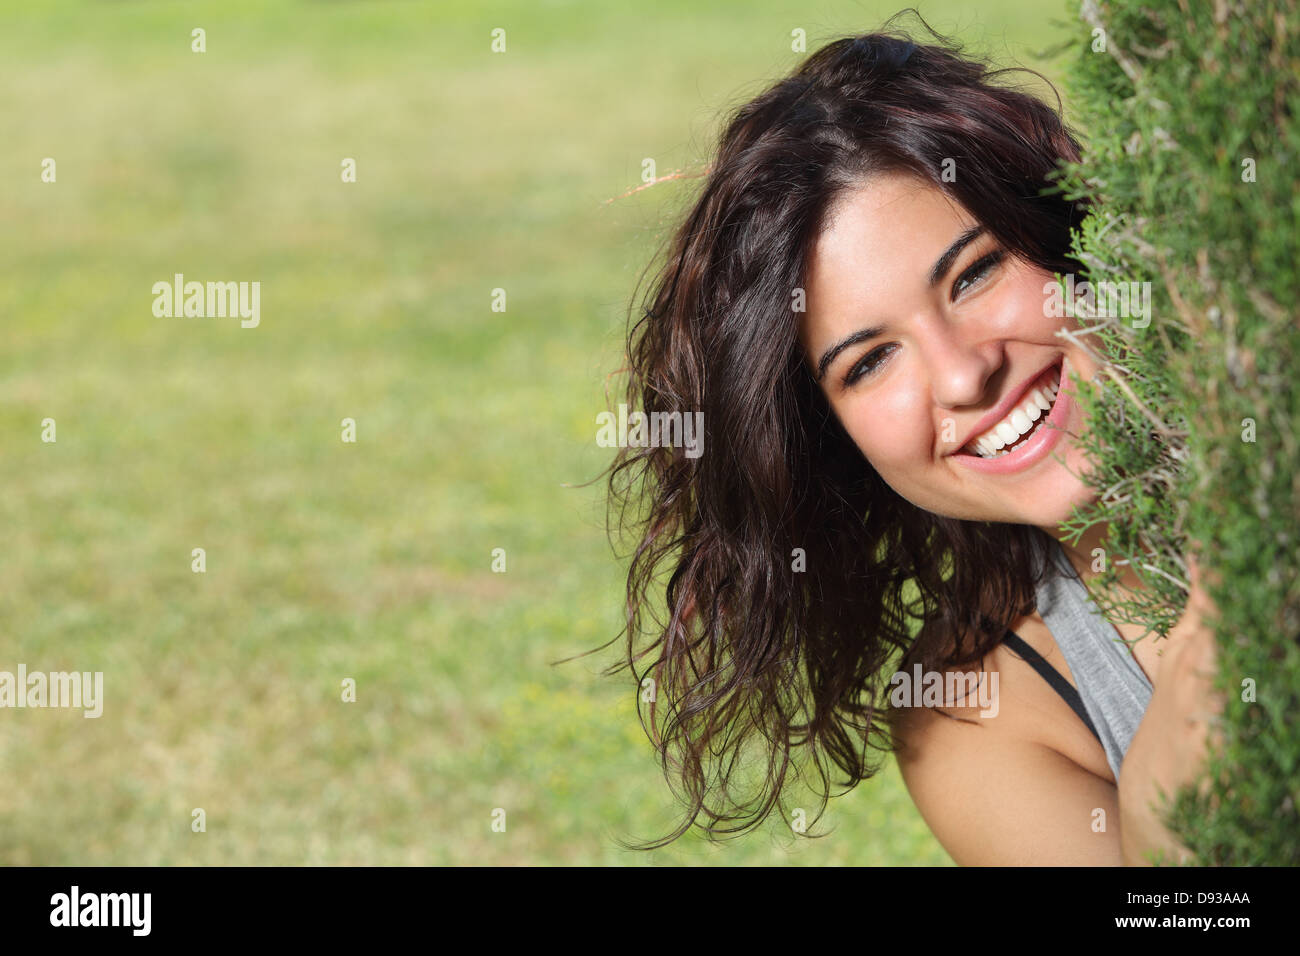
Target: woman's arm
995,792
1169,749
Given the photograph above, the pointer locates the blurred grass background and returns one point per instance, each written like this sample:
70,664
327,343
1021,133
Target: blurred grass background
328,560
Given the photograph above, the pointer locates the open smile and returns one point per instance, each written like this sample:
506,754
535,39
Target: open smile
1025,430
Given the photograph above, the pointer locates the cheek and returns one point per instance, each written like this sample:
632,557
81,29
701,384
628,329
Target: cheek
892,430
1021,306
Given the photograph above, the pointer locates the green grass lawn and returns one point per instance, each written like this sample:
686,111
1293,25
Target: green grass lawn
328,560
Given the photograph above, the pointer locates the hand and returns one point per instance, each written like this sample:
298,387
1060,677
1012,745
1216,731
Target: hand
1189,645
1188,666
1169,749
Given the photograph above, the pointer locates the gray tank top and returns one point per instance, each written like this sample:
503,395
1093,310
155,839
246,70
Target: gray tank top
1114,690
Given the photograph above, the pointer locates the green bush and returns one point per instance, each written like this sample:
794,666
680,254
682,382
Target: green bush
1187,112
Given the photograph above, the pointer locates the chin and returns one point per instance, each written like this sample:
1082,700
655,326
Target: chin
1045,499
1054,499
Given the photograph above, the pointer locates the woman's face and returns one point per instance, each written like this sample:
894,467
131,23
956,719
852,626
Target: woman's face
934,347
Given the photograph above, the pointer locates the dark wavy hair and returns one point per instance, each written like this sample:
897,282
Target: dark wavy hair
749,656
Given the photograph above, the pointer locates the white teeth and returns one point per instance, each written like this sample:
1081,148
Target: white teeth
1019,422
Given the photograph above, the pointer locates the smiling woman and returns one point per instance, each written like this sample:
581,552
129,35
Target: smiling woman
955,378
859,305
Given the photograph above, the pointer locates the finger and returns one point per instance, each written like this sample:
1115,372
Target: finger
1199,575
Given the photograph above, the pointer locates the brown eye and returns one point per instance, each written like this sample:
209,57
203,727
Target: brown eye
977,272
868,364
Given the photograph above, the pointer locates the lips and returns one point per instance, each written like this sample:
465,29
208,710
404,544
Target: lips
1034,446
1013,401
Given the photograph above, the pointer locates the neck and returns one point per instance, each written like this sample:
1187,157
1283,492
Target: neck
1089,556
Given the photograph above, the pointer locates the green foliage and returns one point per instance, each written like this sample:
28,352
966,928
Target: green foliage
1187,111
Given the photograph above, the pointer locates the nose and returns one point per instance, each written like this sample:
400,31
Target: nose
959,365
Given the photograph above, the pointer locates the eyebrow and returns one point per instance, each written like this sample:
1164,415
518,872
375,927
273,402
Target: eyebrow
937,272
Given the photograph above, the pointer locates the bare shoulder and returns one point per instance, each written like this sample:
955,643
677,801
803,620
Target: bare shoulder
1002,769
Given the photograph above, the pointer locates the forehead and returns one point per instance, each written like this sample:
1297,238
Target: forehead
880,240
